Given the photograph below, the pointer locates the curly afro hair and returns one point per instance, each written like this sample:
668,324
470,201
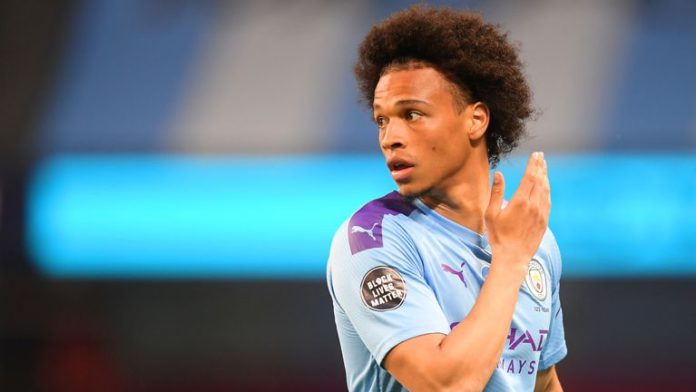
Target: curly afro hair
473,55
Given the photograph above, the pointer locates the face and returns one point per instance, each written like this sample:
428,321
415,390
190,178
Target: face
425,134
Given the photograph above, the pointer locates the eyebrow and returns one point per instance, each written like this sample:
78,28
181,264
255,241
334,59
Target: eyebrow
405,102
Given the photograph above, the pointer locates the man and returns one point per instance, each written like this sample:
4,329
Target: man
441,287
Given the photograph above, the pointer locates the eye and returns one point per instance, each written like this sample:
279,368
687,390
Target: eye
380,121
413,115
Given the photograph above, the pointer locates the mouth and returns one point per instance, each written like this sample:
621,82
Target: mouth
400,169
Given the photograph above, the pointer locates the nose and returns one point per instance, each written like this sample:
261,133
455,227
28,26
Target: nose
393,136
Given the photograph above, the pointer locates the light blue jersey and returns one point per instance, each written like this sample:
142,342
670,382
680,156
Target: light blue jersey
398,269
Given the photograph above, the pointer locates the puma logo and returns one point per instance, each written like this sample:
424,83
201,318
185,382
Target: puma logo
358,229
459,274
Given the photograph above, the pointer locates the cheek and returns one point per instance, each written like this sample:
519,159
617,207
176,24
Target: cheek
446,155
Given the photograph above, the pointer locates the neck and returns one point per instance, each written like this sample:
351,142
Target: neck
466,198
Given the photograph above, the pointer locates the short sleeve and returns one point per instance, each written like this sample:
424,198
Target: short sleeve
555,348
382,290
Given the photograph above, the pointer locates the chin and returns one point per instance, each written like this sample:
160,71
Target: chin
411,191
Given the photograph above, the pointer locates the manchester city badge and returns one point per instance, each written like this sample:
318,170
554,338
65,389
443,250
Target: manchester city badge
536,280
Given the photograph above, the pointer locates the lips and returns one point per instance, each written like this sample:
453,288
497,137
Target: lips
401,169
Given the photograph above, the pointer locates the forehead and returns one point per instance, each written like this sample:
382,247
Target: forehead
426,84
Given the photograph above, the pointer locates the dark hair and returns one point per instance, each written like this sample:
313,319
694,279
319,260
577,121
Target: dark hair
472,54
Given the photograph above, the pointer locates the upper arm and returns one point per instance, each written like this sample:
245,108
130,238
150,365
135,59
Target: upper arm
547,381
384,294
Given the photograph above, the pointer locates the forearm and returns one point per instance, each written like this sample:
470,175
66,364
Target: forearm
471,351
466,358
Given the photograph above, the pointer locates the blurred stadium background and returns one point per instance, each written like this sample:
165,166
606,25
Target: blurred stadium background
172,171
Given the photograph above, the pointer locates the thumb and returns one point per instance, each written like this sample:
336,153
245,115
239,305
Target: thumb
497,192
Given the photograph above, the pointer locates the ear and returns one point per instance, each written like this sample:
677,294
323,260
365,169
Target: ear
479,116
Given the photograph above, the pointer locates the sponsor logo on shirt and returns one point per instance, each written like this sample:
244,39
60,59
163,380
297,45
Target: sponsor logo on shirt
459,274
536,280
535,341
382,289
360,229
520,337
517,366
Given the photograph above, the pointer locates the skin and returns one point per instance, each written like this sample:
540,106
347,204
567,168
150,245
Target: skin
423,121
547,380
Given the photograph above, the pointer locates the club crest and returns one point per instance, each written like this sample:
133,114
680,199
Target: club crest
536,280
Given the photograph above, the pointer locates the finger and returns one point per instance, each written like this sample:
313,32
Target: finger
546,179
525,189
537,196
497,192
547,185
540,195
544,166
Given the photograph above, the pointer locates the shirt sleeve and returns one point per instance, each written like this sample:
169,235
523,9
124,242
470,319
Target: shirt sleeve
555,348
383,292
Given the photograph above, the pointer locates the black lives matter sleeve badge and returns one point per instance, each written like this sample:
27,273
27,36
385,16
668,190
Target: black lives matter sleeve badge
382,289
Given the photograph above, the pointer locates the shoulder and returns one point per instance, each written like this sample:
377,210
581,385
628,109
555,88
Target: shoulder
373,238
378,222
375,233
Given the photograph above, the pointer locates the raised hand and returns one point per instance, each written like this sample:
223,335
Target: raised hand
515,231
